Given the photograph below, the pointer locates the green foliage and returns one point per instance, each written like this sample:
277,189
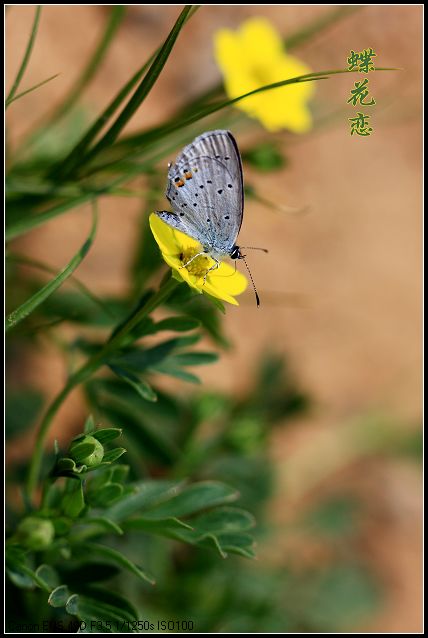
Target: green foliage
107,535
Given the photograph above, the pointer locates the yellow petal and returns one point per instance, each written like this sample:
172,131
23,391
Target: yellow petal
255,56
261,43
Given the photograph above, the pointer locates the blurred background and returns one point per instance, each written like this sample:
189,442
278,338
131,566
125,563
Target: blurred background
340,287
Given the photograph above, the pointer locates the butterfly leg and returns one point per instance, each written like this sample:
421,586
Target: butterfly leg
216,265
190,260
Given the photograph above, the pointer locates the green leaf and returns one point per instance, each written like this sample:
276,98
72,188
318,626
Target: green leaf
167,367
82,450
196,497
106,523
89,427
142,496
141,387
179,324
139,359
113,455
222,520
106,495
121,404
194,358
119,559
119,473
109,309
241,544
59,596
48,575
26,57
31,304
20,574
74,502
87,572
164,527
92,608
105,435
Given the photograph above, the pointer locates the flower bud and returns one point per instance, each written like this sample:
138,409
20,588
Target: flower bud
35,533
87,451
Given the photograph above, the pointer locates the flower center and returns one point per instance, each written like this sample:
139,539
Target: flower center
197,266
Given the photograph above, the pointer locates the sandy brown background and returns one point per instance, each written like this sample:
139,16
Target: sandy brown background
353,337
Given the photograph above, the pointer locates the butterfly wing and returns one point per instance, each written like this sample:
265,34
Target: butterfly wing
205,189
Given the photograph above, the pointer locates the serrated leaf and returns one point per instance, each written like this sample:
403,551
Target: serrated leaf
163,527
196,497
223,519
142,496
242,544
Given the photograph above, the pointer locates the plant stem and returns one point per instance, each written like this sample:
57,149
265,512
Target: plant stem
87,369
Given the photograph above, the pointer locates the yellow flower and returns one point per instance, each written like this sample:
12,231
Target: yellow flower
177,249
254,56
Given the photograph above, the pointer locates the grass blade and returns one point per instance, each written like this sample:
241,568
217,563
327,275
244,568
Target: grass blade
143,89
73,159
26,57
34,263
147,141
291,42
142,140
31,304
33,88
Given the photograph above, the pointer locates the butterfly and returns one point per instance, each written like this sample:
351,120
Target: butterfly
206,192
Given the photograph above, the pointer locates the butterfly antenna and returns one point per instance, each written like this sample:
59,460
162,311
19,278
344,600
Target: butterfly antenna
265,250
252,281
